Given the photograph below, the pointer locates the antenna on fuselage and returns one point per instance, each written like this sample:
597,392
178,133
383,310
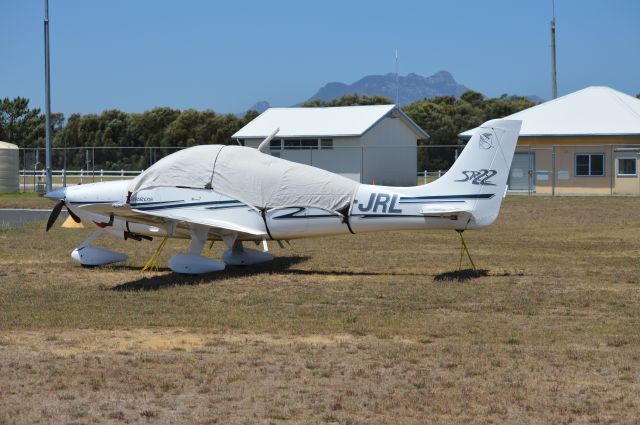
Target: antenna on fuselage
265,143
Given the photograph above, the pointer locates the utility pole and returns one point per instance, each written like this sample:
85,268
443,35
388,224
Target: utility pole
554,82
47,98
397,82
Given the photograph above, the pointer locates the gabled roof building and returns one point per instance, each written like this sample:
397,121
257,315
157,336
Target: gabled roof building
586,142
368,144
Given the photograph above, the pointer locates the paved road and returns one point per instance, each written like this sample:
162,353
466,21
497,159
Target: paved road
10,217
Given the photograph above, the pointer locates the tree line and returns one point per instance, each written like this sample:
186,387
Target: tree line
443,118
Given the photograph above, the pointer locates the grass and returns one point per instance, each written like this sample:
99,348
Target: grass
24,200
371,328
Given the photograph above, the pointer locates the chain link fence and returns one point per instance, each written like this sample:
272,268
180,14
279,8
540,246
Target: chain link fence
549,170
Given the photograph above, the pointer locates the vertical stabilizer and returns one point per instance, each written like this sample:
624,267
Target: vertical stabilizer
482,170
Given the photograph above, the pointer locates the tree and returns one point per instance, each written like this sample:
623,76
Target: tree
444,117
18,123
349,100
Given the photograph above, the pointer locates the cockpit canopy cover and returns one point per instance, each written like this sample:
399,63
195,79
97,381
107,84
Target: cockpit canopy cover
250,176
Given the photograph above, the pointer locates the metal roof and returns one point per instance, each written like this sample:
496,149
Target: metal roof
592,111
341,121
6,145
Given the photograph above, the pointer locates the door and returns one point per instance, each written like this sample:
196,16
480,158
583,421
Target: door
519,174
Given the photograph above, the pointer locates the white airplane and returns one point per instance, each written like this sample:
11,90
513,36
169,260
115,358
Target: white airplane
238,194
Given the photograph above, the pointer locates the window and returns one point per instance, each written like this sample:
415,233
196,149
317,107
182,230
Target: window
626,167
326,143
590,164
301,144
275,144
306,144
310,143
292,143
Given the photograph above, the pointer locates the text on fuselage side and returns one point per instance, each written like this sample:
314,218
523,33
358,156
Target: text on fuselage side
381,202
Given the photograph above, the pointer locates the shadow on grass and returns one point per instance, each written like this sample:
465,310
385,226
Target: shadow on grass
461,275
278,265
174,279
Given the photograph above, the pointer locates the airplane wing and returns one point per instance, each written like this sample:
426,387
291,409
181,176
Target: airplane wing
196,217
443,210
182,217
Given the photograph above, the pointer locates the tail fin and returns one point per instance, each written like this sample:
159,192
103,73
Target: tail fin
482,169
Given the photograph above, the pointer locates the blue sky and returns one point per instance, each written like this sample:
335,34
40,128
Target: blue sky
225,55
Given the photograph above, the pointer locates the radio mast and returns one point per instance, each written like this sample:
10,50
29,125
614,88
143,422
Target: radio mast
554,82
397,81
47,97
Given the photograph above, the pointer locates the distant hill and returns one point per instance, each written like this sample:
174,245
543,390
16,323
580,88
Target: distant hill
535,99
259,107
412,87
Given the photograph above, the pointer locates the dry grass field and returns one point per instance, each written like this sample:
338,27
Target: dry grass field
348,330
23,200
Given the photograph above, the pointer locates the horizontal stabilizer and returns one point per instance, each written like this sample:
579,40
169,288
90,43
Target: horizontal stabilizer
444,210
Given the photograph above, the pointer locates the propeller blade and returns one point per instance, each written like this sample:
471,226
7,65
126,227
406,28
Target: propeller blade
73,215
55,212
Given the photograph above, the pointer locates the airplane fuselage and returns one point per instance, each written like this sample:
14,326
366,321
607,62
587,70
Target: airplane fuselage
374,208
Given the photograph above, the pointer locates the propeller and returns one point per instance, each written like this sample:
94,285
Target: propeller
55,212
60,196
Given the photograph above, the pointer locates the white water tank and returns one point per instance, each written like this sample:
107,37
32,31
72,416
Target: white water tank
9,167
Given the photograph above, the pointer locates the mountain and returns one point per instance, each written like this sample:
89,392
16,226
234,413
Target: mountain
412,87
260,106
535,99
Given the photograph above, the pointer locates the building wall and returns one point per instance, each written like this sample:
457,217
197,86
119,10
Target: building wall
345,158
390,155
566,181
387,154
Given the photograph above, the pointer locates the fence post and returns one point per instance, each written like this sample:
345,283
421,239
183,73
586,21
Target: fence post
64,177
530,173
553,170
611,170
122,172
93,164
425,176
81,173
24,167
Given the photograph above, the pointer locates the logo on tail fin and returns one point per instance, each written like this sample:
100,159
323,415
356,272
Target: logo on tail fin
486,141
480,177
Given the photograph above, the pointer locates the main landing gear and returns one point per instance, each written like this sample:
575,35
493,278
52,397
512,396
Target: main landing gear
236,254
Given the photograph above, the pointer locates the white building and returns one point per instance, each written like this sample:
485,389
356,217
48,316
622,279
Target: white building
586,142
367,144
